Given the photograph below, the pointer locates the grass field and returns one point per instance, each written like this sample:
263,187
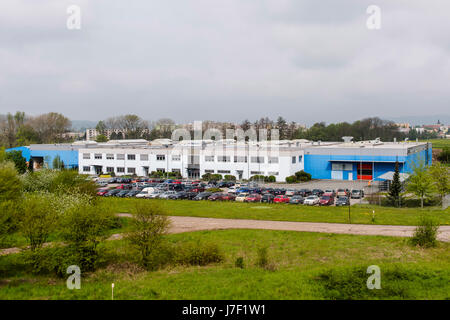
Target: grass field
438,143
361,214
305,266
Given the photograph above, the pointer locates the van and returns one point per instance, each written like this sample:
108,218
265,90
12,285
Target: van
145,192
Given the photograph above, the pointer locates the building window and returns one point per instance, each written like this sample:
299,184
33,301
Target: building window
109,156
272,160
160,157
209,171
294,159
98,156
110,169
87,169
223,159
143,157
120,156
120,169
209,158
272,173
300,158
223,171
257,159
176,170
256,172
240,159
160,169
86,155
131,170
176,157
131,156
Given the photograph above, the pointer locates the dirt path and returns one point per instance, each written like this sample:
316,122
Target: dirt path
189,224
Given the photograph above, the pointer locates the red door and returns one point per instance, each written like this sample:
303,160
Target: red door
365,171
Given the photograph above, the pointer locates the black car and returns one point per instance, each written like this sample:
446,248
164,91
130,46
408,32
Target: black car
178,196
112,193
191,195
225,184
122,193
342,201
296,200
132,193
202,196
317,192
267,197
304,192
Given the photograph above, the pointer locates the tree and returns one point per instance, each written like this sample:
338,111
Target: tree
148,228
20,162
10,183
440,176
395,188
102,138
420,182
444,155
101,127
57,163
50,126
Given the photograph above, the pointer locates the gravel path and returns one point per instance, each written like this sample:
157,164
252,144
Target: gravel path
189,224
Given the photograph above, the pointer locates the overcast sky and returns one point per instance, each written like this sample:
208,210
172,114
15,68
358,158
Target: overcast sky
226,60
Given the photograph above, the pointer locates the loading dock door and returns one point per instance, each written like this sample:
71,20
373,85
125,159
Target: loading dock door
337,175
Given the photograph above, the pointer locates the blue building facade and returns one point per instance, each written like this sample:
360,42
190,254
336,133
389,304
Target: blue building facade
42,155
356,161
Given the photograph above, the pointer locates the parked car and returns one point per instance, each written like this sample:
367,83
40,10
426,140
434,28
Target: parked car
330,191
253,197
304,192
290,192
178,196
166,194
342,193
296,200
326,200
267,197
311,200
229,197
102,192
122,193
342,201
202,196
125,187
317,192
112,192
155,194
241,197
281,199
132,193
232,190
357,194
216,197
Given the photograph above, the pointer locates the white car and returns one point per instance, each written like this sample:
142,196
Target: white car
154,195
232,190
145,192
166,194
311,200
241,197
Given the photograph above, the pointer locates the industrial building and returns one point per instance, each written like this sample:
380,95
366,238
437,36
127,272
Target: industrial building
348,160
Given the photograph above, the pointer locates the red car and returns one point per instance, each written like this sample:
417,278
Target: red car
326,200
228,197
102,192
125,187
254,197
281,199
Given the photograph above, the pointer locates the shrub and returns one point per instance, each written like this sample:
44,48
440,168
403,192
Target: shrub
302,176
444,155
291,179
19,161
262,259
425,234
10,183
198,254
8,223
83,229
229,177
148,228
239,263
213,190
270,179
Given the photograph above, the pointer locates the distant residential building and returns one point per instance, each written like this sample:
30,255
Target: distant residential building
92,134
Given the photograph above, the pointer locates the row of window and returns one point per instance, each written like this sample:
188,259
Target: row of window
121,156
130,170
177,157
270,173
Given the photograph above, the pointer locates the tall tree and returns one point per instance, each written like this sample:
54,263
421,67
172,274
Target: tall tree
394,194
420,182
440,175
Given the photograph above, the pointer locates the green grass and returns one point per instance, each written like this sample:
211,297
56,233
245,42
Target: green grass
361,214
438,143
307,266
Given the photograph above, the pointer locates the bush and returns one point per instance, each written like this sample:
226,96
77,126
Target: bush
83,229
291,179
444,155
8,223
262,259
198,254
19,161
270,179
239,263
10,183
425,234
214,190
148,228
302,176
229,177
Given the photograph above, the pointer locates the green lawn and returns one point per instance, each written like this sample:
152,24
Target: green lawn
438,143
305,266
361,214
